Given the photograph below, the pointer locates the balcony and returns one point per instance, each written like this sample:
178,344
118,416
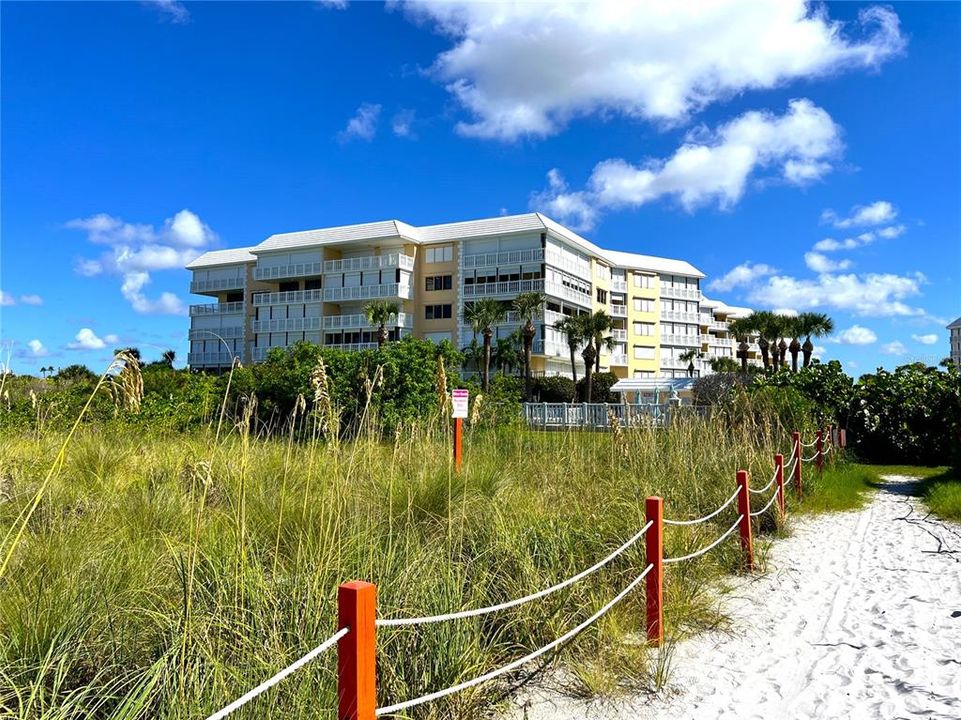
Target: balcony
568,293
619,359
687,340
367,292
511,287
578,266
286,325
680,293
619,334
619,285
217,285
677,363
619,311
216,308
282,272
680,316
353,346
511,257
210,359
291,297
706,319
370,262
719,342
226,333
357,321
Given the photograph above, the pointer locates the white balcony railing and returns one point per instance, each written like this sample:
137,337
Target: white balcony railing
718,342
705,319
680,316
209,359
619,285
304,324
280,272
511,257
619,334
370,262
216,308
226,333
618,359
367,292
687,340
354,346
511,287
568,293
575,265
677,363
681,293
218,284
358,321
290,297
619,311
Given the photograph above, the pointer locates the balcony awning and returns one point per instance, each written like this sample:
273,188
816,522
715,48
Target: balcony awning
652,385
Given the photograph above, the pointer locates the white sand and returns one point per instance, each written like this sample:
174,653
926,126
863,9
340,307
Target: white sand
859,616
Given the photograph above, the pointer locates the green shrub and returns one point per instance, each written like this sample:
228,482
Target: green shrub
825,384
600,388
554,389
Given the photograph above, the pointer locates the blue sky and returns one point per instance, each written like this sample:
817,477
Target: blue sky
804,157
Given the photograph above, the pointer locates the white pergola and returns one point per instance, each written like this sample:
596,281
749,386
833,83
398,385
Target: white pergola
654,388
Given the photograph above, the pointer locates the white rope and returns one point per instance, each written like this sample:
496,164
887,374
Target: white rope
390,709
267,684
790,471
706,517
812,457
810,444
766,507
827,449
709,547
396,622
766,487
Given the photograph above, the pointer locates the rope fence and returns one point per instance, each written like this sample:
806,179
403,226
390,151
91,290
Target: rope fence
357,604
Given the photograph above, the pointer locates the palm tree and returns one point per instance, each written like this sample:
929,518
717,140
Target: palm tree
593,327
572,327
811,324
168,358
794,331
528,306
380,313
723,365
602,323
132,352
763,323
505,353
482,316
741,329
689,356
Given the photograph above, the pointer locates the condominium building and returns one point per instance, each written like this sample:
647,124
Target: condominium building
954,329
313,285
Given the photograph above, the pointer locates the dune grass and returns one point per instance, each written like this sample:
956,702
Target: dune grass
163,575
938,486
839,487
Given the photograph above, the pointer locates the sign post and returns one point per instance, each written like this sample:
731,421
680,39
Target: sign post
459,403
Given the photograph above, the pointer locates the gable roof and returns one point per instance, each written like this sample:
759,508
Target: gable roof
956,323
231,256
381,230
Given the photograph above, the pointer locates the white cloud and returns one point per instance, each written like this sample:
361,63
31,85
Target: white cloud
823,264
830,244
402,122
790,312
37,348
526,69
856,335
138,249
86,339
877,213
710,167
333,4
7,299
819,351
31,300
929,339
872,294
363,124
892,232
743,274
172,10
894,348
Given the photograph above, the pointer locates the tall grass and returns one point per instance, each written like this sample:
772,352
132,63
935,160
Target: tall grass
162,576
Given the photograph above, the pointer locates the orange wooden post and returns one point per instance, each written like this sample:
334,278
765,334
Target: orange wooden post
458,442
655,578
356,651
744,509
842,438
819,447
779,480
797,464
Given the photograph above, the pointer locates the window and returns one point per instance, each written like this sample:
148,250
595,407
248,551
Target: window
289,286
643,353
644,329
312,284
235,296
437,312
643,281
643,374
438,282
439,254
602,296
643,305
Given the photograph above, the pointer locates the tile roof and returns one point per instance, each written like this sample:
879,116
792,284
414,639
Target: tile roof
213,258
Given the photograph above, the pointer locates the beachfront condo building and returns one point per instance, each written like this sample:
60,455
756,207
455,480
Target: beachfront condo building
954,332
313,285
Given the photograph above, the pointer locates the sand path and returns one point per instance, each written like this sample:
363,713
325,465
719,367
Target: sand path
859,616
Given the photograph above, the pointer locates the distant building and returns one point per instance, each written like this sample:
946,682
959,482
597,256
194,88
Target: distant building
313,285
955,331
